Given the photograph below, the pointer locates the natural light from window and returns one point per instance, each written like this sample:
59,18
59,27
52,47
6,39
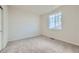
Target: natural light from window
55,21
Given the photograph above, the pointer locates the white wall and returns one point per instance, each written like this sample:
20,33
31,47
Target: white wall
22,24
70,20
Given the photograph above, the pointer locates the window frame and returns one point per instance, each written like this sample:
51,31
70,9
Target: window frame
54,15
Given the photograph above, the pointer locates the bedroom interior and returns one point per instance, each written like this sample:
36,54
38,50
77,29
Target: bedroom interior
39,29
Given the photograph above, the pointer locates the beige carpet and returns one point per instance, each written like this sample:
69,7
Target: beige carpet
39,44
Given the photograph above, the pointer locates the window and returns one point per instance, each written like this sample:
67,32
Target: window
55,21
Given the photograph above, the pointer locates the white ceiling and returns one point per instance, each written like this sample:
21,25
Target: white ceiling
37,9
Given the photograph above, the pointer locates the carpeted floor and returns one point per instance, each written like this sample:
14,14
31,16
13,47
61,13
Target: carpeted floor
40,44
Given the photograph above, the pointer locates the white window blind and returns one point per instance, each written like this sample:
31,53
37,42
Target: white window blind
55,21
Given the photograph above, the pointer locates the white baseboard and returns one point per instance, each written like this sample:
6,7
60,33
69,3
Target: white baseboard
25,37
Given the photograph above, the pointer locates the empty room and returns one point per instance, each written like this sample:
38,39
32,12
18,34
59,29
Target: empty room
39,28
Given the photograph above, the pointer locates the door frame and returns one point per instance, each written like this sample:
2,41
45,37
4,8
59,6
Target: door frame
1,26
